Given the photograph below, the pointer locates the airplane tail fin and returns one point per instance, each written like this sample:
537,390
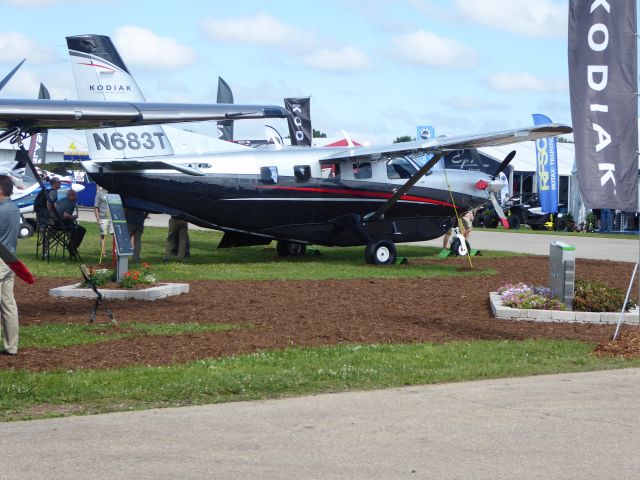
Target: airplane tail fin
100,74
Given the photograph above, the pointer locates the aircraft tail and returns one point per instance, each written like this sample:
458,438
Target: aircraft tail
100,74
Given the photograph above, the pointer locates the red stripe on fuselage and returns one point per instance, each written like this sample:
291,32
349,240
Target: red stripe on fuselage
360,193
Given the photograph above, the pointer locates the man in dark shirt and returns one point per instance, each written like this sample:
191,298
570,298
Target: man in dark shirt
66,209
9,229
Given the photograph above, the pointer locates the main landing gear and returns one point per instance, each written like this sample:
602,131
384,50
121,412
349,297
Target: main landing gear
380,252
285,248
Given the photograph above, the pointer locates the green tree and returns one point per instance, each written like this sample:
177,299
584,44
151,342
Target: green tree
404,138
319,134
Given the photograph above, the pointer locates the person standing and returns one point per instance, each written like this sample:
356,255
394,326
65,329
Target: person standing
176,239
9,230
135,223
52,199
101,209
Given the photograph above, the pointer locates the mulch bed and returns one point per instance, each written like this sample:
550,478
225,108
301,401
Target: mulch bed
296,313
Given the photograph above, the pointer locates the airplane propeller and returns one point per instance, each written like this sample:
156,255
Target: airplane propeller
492,194
6,79
505,163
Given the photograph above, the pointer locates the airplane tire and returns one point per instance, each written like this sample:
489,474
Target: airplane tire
286,248
514,222
456,245
380,252
26,230
560,225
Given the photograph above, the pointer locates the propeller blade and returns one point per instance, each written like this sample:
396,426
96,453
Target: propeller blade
6,79
498,208
505,163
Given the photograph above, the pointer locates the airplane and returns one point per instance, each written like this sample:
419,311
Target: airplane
375,196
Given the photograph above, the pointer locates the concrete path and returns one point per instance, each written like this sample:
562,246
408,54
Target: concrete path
570,426
624,249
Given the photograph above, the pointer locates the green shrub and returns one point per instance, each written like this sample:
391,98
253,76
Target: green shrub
594,296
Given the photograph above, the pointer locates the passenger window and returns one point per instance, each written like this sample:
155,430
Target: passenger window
269,174
302,173
400,168
331,170
362,170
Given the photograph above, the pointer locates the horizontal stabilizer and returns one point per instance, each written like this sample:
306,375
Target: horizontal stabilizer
81,114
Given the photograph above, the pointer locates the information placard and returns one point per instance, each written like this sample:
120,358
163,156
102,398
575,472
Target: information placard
120,229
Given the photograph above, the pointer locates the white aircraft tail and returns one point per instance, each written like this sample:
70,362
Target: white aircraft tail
101,74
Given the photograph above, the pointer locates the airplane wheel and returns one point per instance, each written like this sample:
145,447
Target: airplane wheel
286,248
456,247
32,222
560,225
514,222
26,230
381,252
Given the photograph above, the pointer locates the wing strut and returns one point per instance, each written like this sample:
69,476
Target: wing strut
379,213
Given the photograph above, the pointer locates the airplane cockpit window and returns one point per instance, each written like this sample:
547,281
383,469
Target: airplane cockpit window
302,173
330,171
362,170
269,174
400,167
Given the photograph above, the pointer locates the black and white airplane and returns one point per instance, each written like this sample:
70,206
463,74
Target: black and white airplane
374,196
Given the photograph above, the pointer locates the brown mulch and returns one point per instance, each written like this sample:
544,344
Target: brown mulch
280,314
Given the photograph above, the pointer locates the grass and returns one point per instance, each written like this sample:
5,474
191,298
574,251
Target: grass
526,229
248,263
295,371
269,374
65,335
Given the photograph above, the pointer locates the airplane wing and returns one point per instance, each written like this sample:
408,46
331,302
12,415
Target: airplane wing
444,144
32,115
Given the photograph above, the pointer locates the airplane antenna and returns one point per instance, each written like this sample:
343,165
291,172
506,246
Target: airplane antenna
274,136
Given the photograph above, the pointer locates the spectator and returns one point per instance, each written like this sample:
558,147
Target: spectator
177,237
101,209
9,229
65,209
52,199
135,223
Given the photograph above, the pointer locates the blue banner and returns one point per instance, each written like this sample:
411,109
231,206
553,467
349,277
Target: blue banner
547,161
427,132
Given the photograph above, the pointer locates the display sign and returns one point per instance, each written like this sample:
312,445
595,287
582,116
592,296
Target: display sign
120,230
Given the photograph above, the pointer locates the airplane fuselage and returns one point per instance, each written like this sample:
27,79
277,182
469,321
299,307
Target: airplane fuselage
289,194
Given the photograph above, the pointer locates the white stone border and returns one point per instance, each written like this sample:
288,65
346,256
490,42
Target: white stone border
502,312
161,290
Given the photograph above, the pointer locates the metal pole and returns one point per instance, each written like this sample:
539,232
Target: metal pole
626,299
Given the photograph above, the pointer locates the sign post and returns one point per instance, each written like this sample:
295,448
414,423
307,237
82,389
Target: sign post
121,235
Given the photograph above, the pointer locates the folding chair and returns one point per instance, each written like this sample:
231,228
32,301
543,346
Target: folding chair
51,238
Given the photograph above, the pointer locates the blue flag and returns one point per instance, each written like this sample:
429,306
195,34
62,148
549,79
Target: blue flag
547,161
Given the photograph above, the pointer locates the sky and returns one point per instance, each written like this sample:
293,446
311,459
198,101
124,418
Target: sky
374,69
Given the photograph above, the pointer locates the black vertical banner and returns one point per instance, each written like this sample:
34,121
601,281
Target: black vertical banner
604,104
299,120
225,127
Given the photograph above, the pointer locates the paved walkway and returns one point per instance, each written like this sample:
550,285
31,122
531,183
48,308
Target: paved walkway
570,426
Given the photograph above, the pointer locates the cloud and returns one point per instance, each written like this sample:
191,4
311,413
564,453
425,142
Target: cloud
471,104
260,29
428,49
344,59
525,82
16,46
537,18
143,48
